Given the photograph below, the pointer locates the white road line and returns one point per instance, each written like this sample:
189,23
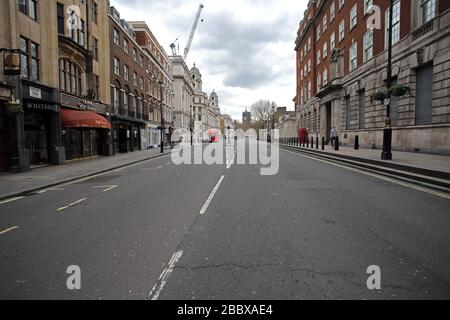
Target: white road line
107,188
72,204
11,200
162,280
211,196
374,175
8,230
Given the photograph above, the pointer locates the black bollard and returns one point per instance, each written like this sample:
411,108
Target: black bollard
323,143
317,142
356,142
307,143
312,142
336,144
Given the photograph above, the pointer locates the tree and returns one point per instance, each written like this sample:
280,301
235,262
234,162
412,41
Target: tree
262,113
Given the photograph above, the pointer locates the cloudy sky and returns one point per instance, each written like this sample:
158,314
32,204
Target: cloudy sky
243,48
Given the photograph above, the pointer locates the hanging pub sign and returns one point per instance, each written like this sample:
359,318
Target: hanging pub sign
11,63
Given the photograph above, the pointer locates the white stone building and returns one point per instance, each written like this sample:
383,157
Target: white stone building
183,95
206,110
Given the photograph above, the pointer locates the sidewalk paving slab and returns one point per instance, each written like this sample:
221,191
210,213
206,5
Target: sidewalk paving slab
13,185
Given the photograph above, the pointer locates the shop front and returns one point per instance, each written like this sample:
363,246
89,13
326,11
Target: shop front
127,134
86,133
41,125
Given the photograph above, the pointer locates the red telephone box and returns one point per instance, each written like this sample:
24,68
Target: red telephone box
302,135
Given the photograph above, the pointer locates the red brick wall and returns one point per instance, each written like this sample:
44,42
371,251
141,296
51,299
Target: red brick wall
351,36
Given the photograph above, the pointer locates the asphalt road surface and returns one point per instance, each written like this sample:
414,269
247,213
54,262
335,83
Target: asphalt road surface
163,231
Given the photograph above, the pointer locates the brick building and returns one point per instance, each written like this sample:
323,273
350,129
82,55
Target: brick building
159,86
128,86
341,64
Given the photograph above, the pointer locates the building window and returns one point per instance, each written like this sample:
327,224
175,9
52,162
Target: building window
34,62
29,8
332,11
341,4
24,58
141,83
116,99
354,16
116,67
95,49
142,61
318,33
341,30
428,8
319,58
319,82
95,13
362,109
368,45
424,95
70,79
61,18
367,5
134,55
126,73
126,100
332,41
29,59
135,79
353,57
116,37
395,25
309,65
325,50
125,45
325,77
325,23
348,113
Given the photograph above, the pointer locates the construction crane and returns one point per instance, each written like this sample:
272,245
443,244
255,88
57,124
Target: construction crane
191,36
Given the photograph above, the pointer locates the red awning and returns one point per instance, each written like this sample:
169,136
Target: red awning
83,119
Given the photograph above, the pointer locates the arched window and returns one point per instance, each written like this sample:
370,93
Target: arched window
126,100
70,77
134,107
115,97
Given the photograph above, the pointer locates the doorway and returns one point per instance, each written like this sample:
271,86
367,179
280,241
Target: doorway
37,137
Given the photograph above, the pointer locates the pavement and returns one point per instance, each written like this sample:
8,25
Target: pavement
433,162
12,185
157,230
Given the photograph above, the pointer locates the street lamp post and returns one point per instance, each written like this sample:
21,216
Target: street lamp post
387,133
163,128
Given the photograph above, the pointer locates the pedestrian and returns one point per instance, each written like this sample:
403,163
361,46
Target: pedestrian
334,135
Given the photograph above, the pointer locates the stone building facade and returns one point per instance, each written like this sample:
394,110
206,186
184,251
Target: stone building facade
183,95
206,110
286,124
61,74
341,64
